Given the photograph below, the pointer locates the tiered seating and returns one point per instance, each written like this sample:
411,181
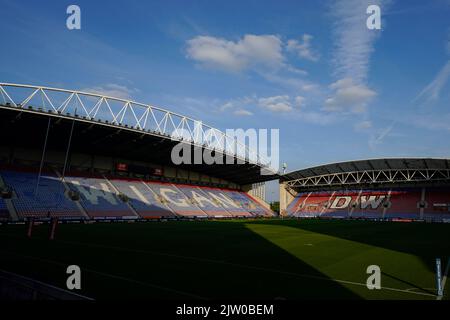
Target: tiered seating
208,204
438,204
142,198
250,204
404,204
50,199
293,207
316,204
4,214
228,201
101,198
98,198
176,200
313,205
155,199
370,204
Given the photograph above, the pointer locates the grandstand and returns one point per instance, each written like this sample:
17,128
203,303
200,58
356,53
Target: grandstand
80,198
86,159
82,156
30,201
408,189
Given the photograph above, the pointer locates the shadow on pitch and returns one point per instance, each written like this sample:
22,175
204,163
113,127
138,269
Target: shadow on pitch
213,260
412,285
426,241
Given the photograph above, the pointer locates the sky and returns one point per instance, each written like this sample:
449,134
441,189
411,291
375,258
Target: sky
335,89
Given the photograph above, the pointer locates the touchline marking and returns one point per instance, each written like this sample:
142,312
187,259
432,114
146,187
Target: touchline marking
412,289
232,264
244,266
444,279
111,276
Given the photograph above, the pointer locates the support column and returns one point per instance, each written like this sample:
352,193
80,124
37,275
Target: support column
286,197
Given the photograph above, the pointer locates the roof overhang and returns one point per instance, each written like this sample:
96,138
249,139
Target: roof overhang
120,128
372,173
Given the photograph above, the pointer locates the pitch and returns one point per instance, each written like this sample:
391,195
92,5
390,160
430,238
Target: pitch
265,259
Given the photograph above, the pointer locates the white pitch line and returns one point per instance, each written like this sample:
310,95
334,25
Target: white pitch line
246,266
112,276
412,289
444,280
241,266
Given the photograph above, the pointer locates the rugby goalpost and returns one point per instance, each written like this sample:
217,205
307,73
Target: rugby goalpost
441,279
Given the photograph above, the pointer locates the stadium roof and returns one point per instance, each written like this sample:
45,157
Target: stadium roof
118,128
371,172
370,164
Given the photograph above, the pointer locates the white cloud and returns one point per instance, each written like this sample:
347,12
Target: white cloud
238,103
276,103
354,41
433,90
226,106
291,83
249,51
296,70
353,46
299,101
242,112
113,90
291,107
363,125
349,96
310,87
303,49
318,118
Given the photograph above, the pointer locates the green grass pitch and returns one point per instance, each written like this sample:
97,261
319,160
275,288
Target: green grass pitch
259,259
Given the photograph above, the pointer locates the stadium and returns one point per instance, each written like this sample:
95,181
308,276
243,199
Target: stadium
84,139
391,189
98,170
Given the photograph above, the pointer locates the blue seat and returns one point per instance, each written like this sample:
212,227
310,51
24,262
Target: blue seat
142,198
98,198
204,201
176,200
4,214
50,197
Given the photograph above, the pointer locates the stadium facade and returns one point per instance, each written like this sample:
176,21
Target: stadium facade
78,155
382,189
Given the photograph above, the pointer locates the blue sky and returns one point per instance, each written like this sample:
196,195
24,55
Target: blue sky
335,89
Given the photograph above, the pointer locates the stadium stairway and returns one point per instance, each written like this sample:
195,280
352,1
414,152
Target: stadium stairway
98,198
219,208
204,201
117,192
142,199
177,201
224,199
260,209
194,203
67,189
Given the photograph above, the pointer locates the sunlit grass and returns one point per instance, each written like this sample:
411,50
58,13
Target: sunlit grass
347,260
